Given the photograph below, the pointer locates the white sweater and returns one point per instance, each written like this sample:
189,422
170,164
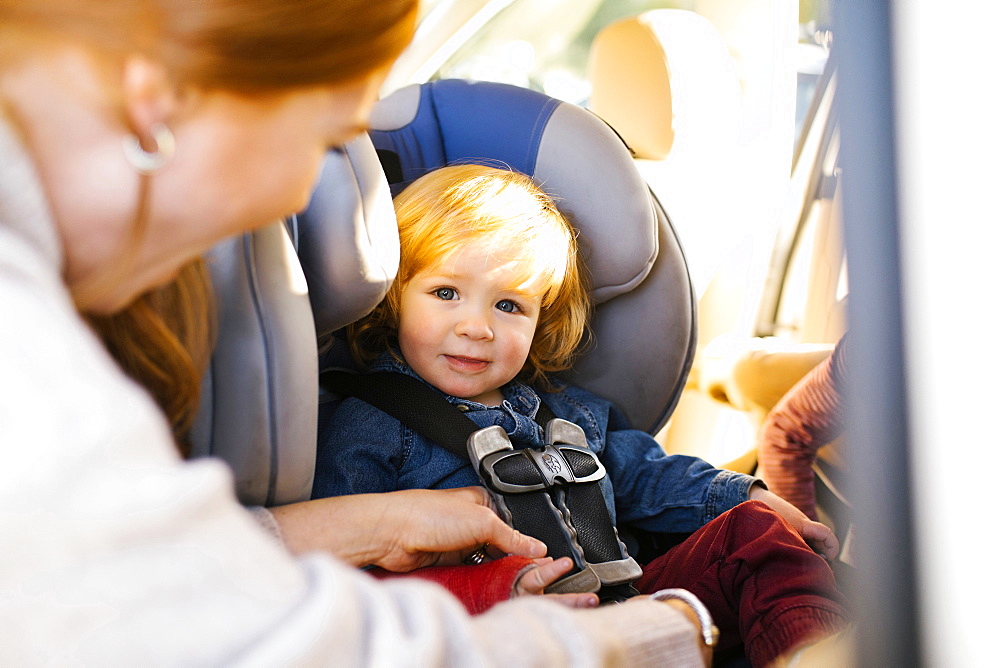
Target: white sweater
115,552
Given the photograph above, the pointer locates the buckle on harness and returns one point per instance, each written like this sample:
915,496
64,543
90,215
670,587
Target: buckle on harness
535,490
492,449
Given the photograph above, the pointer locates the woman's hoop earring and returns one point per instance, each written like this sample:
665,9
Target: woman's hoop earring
147,162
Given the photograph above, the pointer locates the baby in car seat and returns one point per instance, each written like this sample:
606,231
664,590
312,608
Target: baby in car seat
491,301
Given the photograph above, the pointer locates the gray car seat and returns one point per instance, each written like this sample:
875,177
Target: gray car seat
644,322
259,408
279,289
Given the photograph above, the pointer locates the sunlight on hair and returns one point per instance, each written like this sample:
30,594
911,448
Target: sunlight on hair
500,210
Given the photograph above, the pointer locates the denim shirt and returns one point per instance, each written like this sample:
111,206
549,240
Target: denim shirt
363,450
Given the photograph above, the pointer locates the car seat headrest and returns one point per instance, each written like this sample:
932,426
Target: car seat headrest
257,395
458,121
644,315
277,288
348,244
662,79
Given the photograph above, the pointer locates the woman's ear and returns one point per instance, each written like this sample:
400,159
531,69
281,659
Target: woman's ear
149,97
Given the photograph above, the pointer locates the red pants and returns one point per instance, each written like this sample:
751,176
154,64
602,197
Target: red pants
763,585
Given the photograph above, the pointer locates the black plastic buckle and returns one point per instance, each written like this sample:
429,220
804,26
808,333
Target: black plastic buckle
490,446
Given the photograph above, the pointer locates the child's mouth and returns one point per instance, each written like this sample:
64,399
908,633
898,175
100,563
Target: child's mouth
466,363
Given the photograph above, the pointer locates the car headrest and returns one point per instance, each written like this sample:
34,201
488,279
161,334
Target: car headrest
664,77
644,321
348,244
277,288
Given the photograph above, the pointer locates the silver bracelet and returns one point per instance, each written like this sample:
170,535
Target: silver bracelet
709,631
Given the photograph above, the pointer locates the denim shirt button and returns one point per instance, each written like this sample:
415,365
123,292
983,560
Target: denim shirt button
462,407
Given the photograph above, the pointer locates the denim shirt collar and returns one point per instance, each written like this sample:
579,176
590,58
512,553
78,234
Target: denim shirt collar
516,415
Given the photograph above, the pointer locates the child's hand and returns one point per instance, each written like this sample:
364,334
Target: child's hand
819,536
534,580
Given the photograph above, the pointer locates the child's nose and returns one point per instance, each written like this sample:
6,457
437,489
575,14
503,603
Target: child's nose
474,324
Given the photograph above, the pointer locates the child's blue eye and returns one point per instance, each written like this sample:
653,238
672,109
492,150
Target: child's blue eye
445,294
507,306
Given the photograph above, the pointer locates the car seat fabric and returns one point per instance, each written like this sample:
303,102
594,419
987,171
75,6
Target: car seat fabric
644,321
348,244
264,353
259,396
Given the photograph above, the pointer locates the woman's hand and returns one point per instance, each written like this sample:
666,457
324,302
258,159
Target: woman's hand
403,530
819,536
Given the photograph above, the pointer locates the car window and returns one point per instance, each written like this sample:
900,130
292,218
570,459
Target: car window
542,44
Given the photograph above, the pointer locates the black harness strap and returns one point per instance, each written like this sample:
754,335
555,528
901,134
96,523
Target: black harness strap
414,403
410,401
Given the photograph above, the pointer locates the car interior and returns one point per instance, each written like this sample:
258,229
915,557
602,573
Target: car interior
665,80
279,293
754,312
669,345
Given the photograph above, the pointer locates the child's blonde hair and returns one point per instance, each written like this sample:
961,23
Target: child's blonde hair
449,208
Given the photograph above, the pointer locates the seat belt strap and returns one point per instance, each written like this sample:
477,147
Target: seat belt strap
409,400
414,403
